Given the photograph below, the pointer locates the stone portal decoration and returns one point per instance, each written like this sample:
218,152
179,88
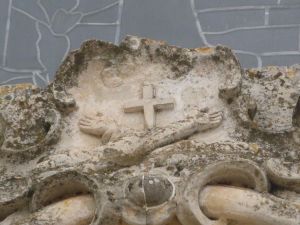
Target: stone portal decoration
225,153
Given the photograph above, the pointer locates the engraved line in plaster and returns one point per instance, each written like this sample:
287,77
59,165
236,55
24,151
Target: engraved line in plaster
37,73
258,56
119,4
7,33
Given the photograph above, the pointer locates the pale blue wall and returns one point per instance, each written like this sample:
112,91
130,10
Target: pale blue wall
35,35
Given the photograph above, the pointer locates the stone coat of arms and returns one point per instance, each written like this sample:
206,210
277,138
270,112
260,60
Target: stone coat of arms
150,134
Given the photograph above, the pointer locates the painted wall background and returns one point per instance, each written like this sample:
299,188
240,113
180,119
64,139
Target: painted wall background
36,35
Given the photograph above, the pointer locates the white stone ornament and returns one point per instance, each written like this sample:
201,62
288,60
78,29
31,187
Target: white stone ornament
149,105
150,134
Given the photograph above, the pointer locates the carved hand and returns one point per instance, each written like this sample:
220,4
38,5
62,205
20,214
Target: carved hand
206,120
99,126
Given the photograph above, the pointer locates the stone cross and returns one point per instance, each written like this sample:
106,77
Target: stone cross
149,104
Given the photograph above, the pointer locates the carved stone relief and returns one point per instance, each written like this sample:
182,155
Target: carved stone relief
150,134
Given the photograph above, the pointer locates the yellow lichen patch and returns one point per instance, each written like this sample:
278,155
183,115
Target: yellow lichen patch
251,73
151,42
254,148
6,89
205,50
291,72
66,203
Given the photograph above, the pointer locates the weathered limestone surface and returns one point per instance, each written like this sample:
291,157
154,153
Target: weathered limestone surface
150,134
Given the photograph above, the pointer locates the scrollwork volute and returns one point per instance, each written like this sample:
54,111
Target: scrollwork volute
28,122
239,173
150,134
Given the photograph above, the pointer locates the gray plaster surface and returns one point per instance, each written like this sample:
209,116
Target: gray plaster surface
36,35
